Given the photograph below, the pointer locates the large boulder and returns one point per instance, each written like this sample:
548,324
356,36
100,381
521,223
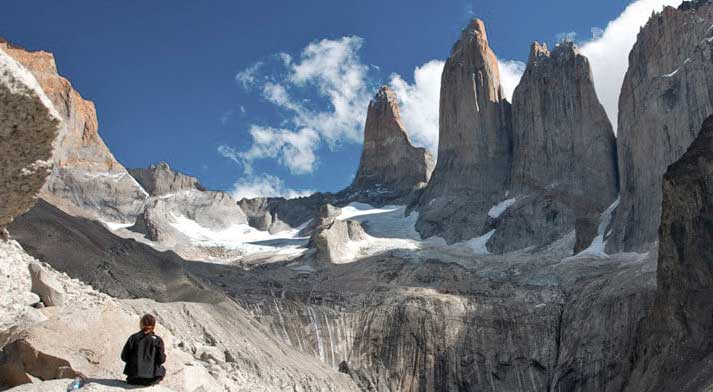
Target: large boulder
46,286
666,95
332,238
29,125
86,179
475,142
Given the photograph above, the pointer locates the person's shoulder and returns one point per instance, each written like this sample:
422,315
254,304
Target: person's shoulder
156,338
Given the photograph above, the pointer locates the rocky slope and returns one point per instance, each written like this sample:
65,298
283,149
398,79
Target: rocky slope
475,142
86,180
666,95
389,163
179,210
564,152
676,349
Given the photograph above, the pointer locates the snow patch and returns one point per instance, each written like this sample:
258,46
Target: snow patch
114,226
501,207
598,245
479,244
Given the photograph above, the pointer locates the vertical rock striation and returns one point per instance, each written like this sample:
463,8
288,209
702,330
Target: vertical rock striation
474,151
666,95
389,162
677,338
86,179
564,151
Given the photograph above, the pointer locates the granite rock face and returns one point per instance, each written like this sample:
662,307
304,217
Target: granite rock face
389,162
475,142
677,338
161,180
666,95
29,125
86,179
331,237
564,151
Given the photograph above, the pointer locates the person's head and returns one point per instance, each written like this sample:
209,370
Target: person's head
148,323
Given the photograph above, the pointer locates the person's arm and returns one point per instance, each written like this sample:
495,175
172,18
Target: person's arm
126,351
161,352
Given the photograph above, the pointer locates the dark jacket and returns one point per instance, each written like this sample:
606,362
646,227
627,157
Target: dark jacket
144,353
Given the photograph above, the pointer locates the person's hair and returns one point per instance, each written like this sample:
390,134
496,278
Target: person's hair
148,321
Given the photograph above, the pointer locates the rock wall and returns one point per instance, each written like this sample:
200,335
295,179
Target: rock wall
564,151
161,180
86,179
676,340
666,95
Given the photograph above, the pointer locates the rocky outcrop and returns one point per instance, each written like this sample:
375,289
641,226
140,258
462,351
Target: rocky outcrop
29,125
666,95
161,180
564,151
276,214
677,338
86,179
390,165
475,142
331,237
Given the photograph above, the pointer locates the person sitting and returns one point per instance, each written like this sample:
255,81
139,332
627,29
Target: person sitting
144,354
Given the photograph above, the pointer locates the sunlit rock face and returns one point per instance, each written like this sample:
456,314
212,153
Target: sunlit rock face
666,95
475,142
389,162
86,180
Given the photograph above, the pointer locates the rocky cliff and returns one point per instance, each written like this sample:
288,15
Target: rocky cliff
475,142
666,95
564,151
389,163
677,344
161,180
86,179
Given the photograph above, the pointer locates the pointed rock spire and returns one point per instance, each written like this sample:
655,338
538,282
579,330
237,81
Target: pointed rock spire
474,152
389,162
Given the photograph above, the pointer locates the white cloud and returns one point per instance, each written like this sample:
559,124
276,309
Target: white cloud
609,53
294,150
510,74
329,70
265,186
419,103
248,77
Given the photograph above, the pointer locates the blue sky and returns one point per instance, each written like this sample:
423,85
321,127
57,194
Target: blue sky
245,91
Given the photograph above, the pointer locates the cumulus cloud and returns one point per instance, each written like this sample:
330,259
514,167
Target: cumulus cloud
419,103
265,186
608,51
294,150
329,70
510,74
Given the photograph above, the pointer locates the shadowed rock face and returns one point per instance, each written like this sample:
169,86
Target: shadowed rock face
475,134
29,125
160,179
564,151
666,95
389,162
86,180
677,338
